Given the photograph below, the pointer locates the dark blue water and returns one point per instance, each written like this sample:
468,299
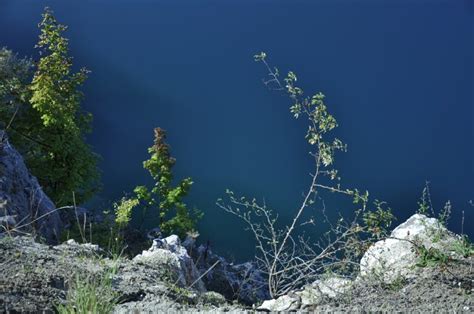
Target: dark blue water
398,75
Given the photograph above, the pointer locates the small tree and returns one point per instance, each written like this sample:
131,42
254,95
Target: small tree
62,160
174,216
288,259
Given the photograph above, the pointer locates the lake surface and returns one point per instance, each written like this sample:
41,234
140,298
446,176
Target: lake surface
398,76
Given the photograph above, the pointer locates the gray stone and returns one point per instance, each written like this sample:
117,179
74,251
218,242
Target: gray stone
23,198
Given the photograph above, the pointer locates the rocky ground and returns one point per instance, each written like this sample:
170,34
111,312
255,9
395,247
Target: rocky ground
447,289
36,276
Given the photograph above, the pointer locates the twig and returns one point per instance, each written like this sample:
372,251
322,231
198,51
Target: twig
205,273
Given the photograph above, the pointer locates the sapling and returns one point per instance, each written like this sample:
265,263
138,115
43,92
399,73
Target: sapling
287,258
166,199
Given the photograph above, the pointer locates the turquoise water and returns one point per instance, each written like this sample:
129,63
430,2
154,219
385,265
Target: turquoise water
398,76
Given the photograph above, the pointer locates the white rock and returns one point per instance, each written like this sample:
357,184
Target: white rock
170,253
283,303
395,257
426,231
173,243
387,260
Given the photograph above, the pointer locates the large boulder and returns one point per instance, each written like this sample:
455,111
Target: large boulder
395,258
24,207
169,253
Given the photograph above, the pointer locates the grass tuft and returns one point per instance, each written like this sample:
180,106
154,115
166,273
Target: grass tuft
90,295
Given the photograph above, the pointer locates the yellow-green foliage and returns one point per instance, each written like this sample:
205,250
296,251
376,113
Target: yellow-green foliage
123,211
67,163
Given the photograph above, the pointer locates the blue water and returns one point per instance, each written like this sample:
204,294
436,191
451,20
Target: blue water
398,75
